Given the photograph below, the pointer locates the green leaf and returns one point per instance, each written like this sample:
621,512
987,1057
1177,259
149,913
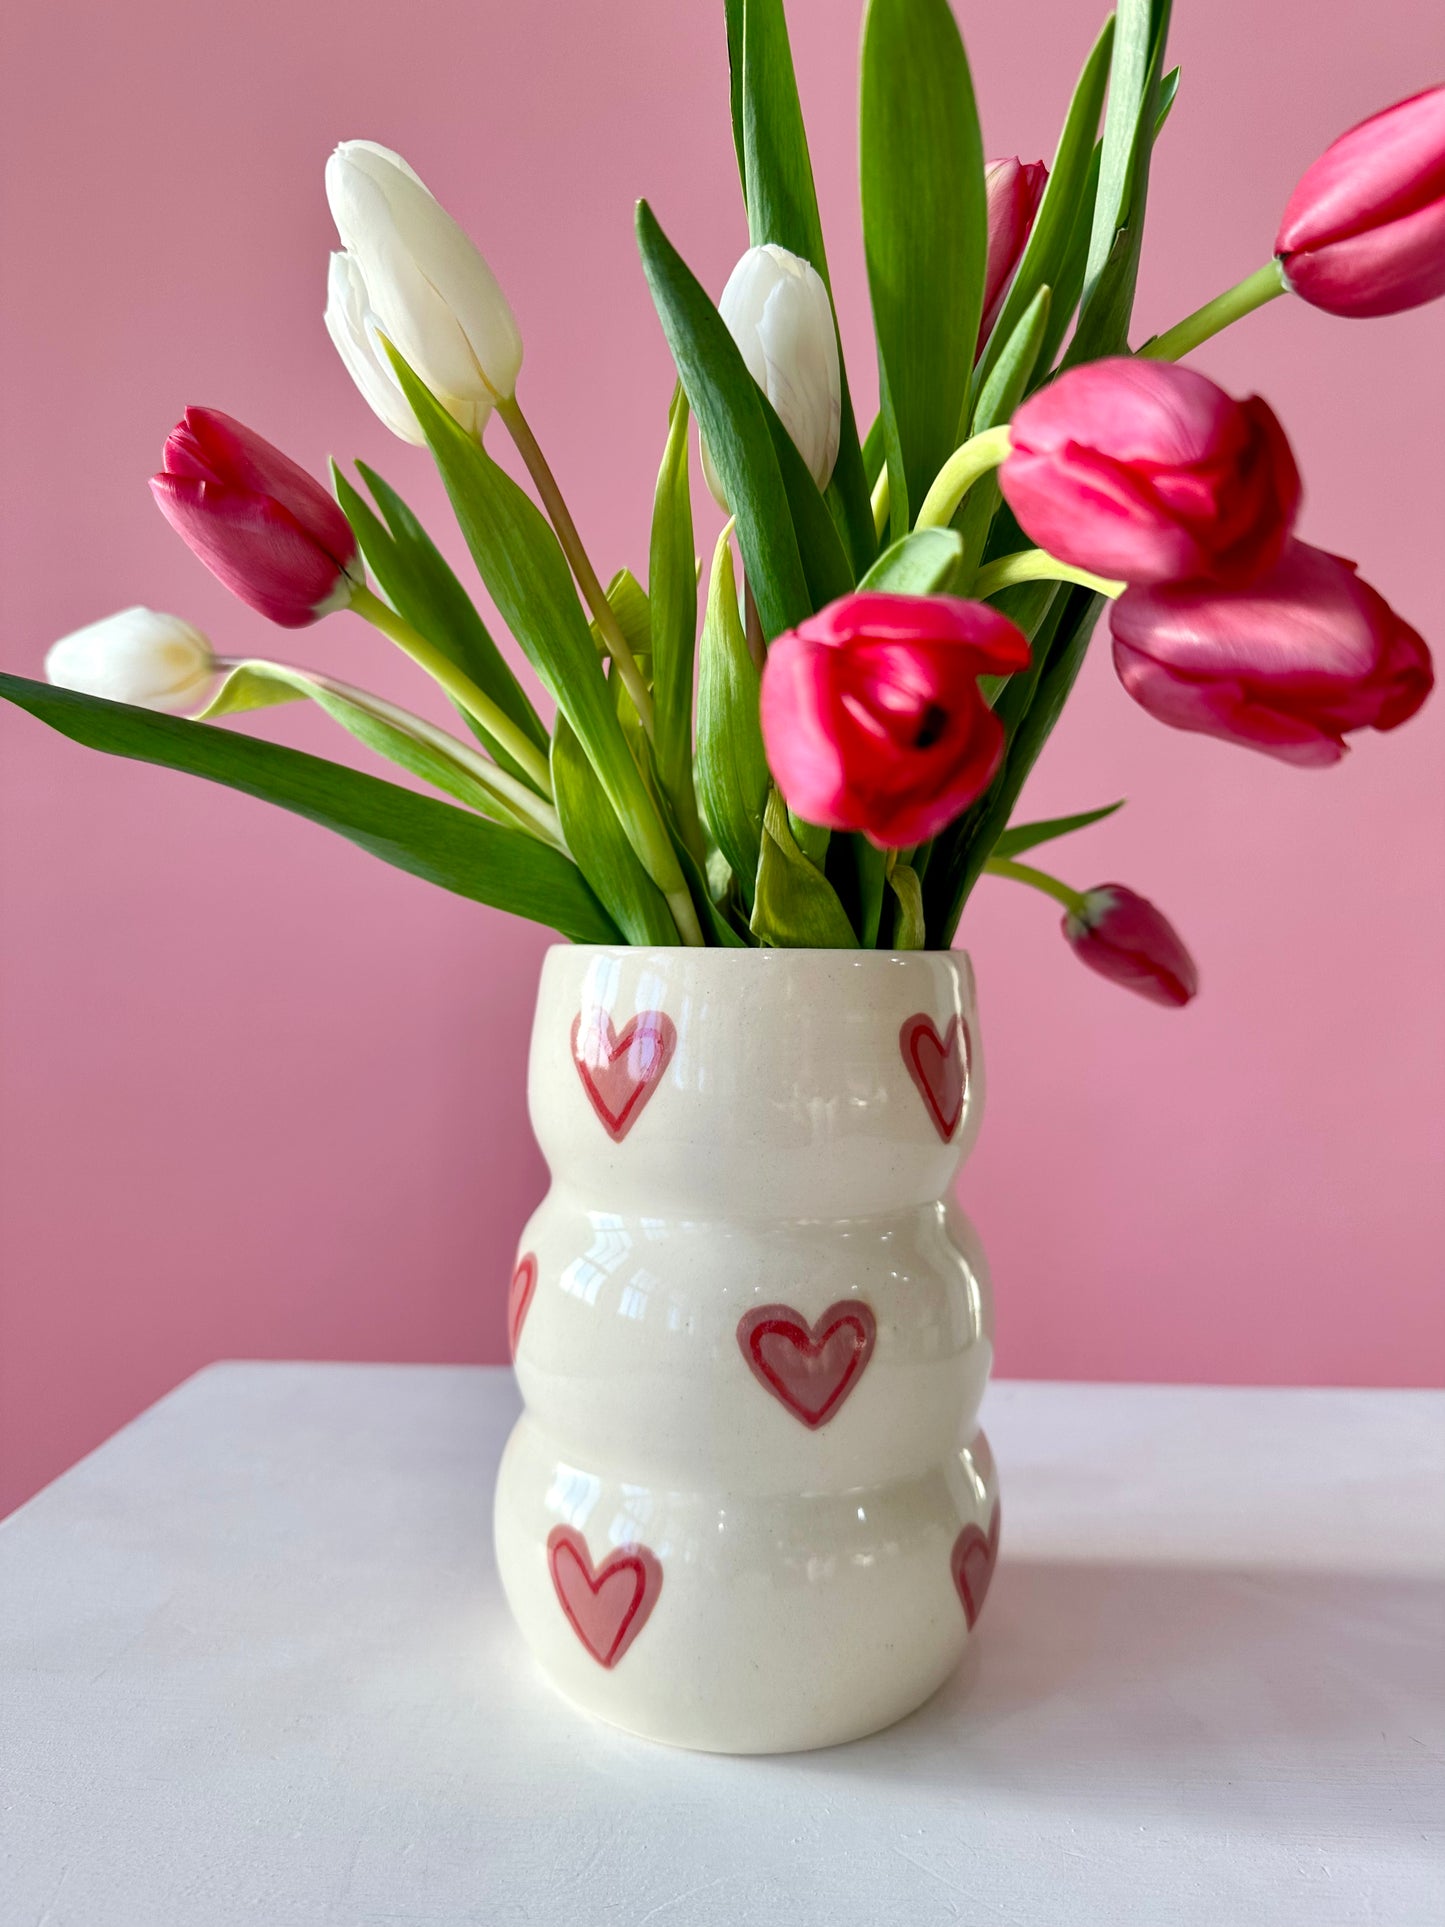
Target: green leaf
1112,269
908,927
732,769
733,11
422,589
855,868
1070,283
714,920
1012,371
672,601
629,603
1128,81
455,849
782,206
826,563
600,846
730,409
1001,394
411,742
1029,707
794,906
923,563
1019,837
522,564
925,234
1065,208
1168,92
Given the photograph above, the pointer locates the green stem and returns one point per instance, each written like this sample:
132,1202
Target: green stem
560,516
1003,866
1242,299
964,467
459,686
1037,565
685,917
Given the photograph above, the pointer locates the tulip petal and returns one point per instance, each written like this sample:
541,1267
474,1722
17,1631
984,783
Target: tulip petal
1383,271
256,547
872,715
214,449
353,332
1151,472
1364,231
1288,665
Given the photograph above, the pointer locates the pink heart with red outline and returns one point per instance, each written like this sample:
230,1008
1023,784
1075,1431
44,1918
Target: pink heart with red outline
607,1606
620,1072
939,1067
975,1554
519,1297
809,1369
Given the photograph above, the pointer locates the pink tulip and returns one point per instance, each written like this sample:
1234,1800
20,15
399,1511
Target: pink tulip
1143,470
1287,665
268,529
1364,232
1124,938
1014,189
872,715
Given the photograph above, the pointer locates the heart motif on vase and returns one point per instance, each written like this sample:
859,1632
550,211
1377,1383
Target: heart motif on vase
939,1067
809,1369
519,1297
620,1071
975,1555
606,1606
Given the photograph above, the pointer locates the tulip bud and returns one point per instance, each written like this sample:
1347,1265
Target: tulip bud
778,312
1014,189
1364,231
135,656
872,715
412,275
1124,938
265,527
1286,666
1143,470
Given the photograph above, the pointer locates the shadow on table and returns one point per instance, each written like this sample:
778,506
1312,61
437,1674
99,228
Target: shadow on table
1090,1682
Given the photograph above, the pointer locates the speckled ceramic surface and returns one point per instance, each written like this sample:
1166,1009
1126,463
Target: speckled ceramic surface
748,1507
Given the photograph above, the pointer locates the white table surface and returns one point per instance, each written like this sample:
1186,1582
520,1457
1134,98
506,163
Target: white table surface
256,1669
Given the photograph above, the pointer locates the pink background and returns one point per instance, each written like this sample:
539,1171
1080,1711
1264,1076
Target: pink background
262,1095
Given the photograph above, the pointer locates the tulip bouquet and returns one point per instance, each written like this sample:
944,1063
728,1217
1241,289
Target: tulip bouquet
833,755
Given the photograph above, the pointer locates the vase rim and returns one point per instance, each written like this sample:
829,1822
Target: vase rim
670,952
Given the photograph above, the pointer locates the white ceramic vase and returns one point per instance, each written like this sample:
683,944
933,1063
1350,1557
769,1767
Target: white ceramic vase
747,1507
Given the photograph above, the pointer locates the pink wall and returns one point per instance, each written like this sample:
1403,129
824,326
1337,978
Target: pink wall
261,1095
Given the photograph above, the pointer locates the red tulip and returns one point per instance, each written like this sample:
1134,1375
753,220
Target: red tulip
1364,232
1287,665
1143,470
1124,938
268,529
873,718
1014,189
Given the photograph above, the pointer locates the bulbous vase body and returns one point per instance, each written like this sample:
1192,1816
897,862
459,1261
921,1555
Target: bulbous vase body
747,1507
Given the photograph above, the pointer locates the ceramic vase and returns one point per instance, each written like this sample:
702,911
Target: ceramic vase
747,1507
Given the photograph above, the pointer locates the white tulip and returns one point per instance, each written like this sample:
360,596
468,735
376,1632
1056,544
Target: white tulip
135,656
411,274
778,312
